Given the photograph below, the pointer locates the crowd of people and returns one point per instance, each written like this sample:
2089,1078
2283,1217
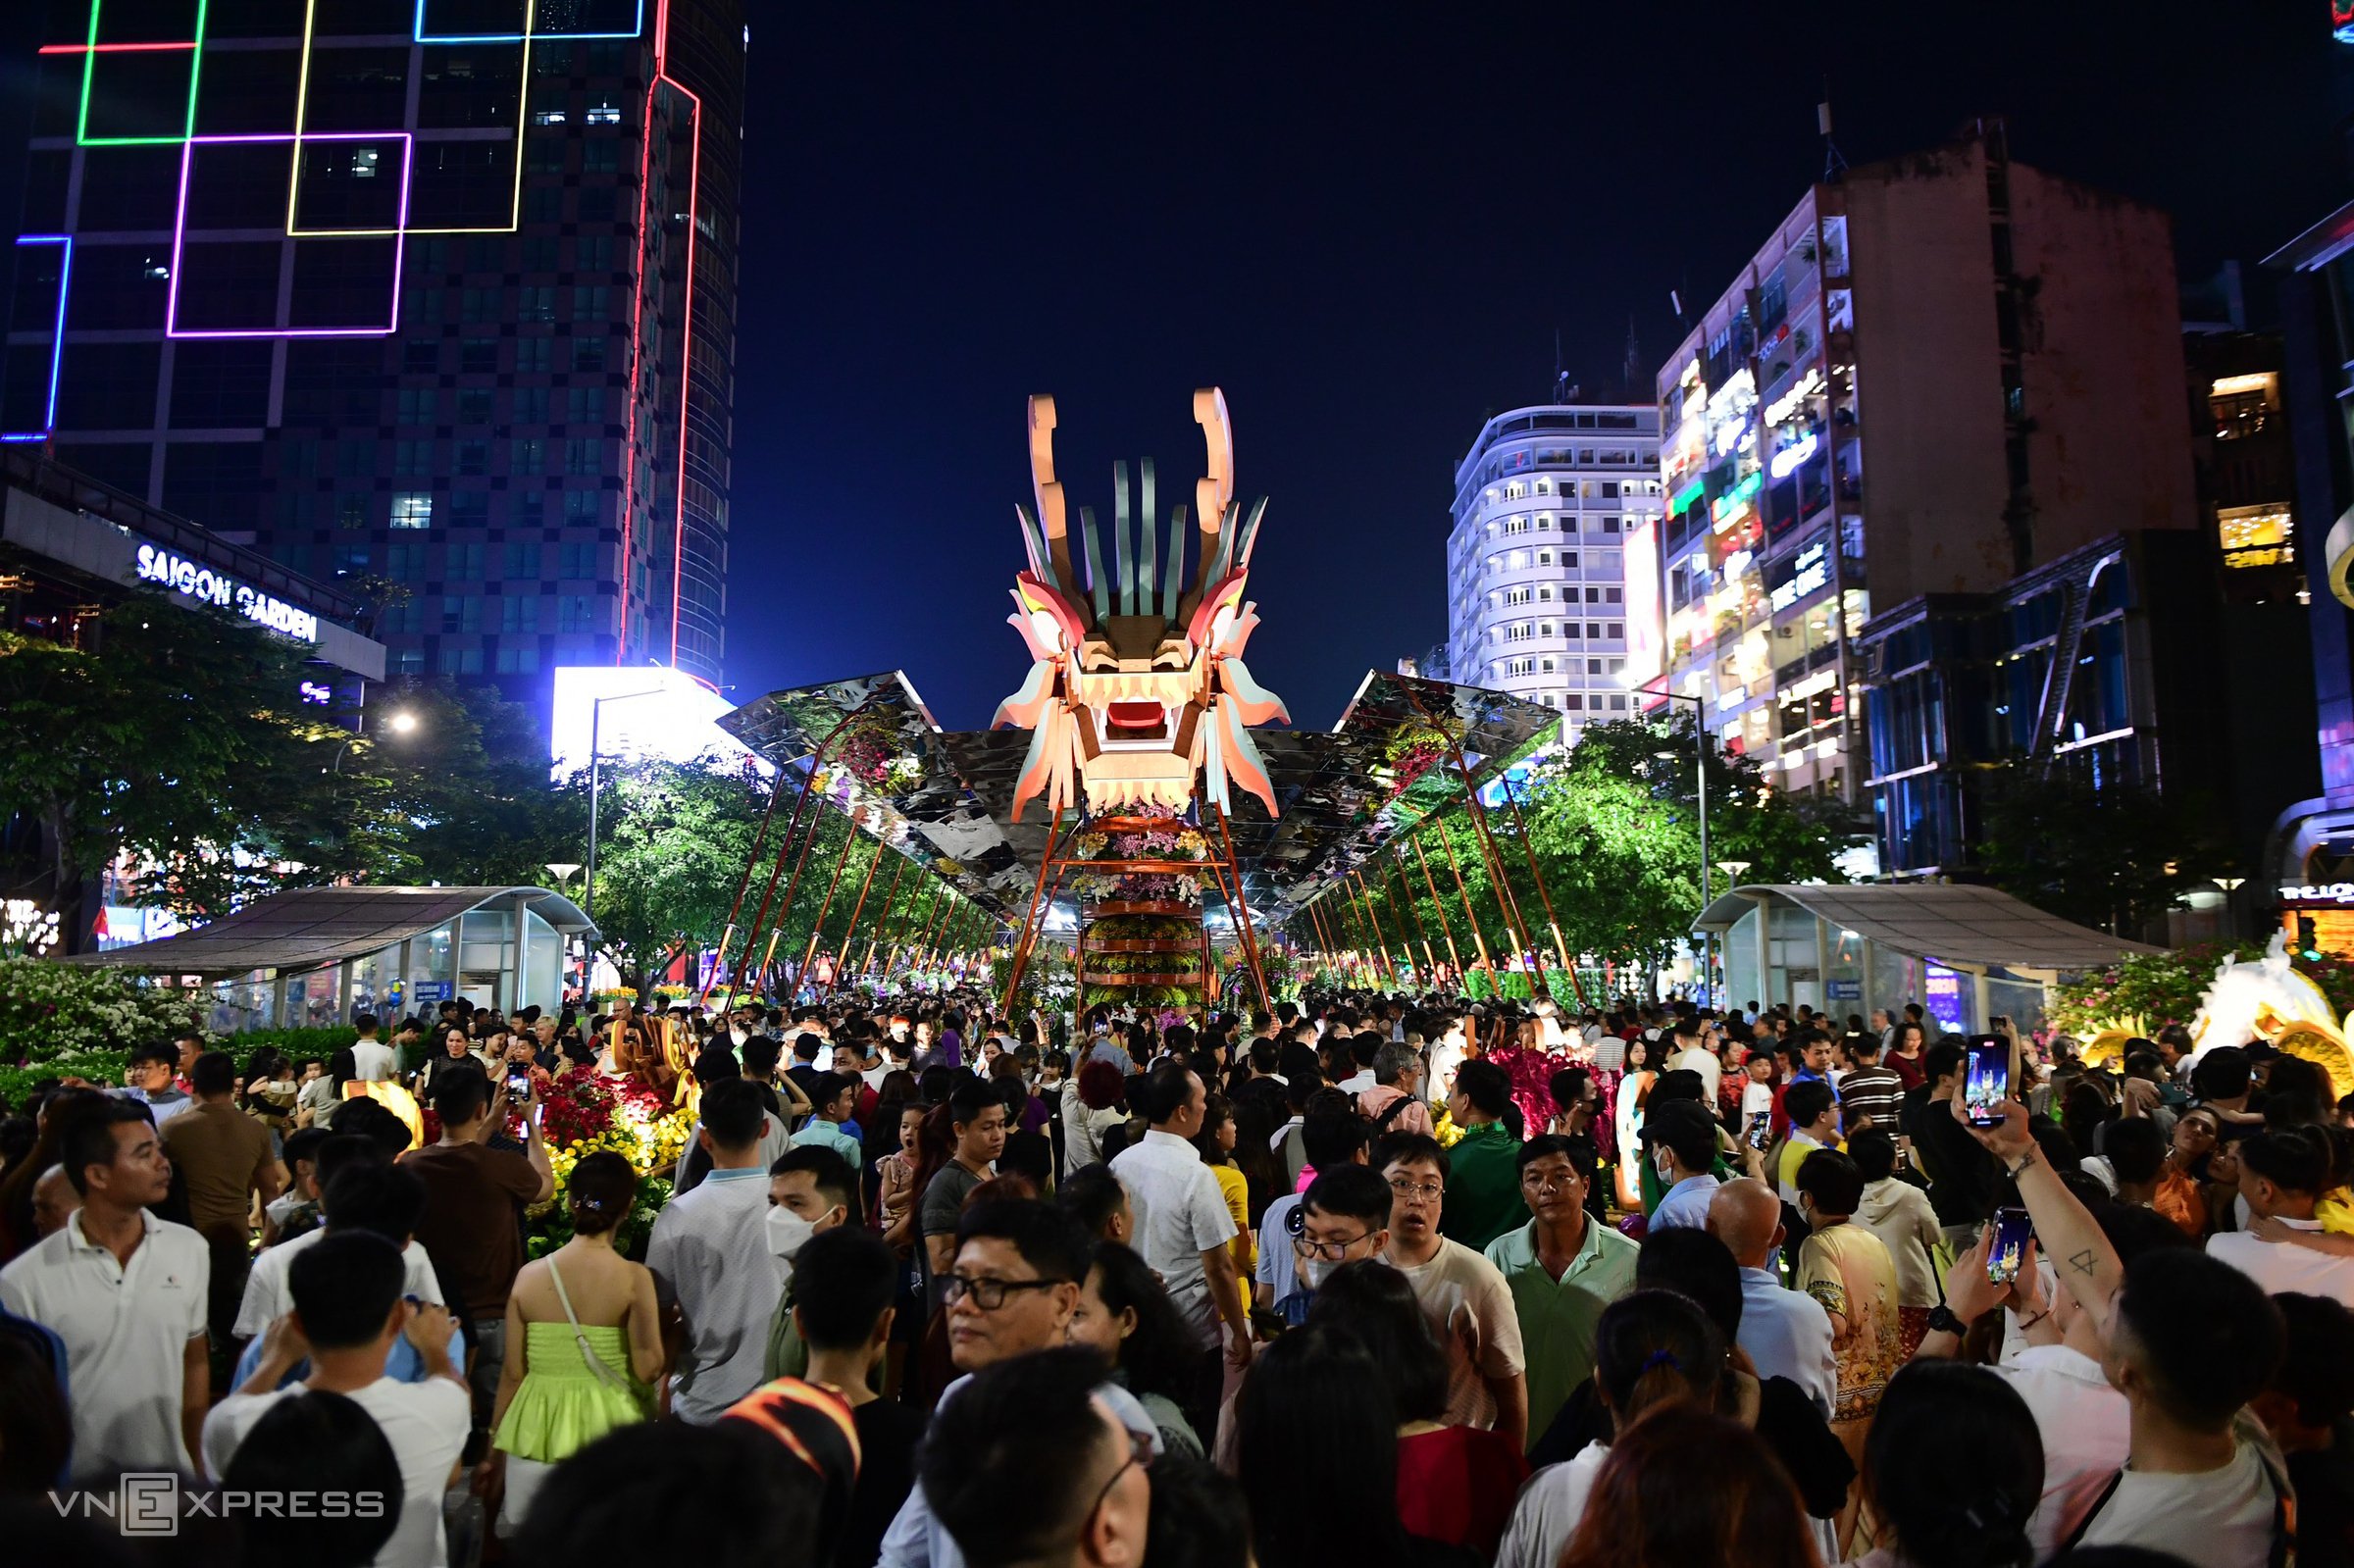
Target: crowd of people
1372,1281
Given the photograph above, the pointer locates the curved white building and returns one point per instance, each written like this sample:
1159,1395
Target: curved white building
1536,590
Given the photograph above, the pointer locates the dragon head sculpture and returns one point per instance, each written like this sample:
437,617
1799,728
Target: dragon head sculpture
1137,684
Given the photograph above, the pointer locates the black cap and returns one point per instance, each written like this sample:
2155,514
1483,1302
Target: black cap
1685,1126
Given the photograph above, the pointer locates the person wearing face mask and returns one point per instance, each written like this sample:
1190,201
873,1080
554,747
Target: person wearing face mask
812,1188
1344,1217
584,1339
1680,1137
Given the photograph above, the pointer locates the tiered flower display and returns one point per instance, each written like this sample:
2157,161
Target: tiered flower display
582,1113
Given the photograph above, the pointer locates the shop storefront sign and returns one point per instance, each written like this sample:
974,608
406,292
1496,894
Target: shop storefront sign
195,580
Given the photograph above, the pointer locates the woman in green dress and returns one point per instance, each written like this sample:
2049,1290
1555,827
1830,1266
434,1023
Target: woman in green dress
584,1339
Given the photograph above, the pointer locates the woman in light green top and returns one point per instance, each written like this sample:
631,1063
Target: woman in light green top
584,1339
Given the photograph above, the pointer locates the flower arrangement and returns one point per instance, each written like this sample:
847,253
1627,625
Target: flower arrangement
2158,989
51,1013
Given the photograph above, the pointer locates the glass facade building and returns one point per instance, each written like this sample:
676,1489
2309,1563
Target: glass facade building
430,299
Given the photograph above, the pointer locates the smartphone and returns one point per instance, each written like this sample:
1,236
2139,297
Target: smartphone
1986,1079
519,1086
2013,1231
1760,1130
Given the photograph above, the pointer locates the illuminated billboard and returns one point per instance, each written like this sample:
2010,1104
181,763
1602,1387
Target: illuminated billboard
1645,640
649,711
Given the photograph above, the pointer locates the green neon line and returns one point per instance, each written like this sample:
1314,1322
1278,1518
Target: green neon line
81,126
89,66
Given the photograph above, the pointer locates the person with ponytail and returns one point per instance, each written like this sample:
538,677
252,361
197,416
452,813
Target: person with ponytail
1650,1349
584,1339
1953,1471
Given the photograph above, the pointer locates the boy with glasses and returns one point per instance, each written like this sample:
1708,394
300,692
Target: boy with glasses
1344,1217
1464,1295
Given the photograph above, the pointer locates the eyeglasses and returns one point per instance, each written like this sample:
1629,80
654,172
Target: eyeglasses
988,1295
1422,1191
1329,1251
1140,1458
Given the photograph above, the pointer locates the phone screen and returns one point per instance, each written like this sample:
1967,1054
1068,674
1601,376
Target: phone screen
1760,1130
1986,1079
2011,1232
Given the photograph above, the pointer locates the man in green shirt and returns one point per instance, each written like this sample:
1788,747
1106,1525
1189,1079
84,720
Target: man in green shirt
1563,1267
1483,1182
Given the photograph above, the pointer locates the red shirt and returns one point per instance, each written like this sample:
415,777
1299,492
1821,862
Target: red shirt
1457,1484
1907,1068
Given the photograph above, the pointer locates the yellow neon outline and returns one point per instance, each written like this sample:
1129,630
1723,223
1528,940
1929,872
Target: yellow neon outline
302,99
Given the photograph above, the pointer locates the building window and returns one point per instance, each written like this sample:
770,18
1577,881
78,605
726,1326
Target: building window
1570,629
575,562
1609,525
576,612
1544,558
418,405
530,404
533,356
519,660
536,302
1615,630
1516,595
461,661
584,405
527,455
1545,595
469,508
461,612
413,509
1617,704
519,611
1546,664
1573,702
582,507
582,456
474,458
518,561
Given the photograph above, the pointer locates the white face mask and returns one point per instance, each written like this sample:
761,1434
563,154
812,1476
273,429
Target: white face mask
787,1231
1314,1272
1663,1162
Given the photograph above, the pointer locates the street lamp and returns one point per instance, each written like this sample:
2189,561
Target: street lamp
1700,743
400,723
563,870
1733,869
597,714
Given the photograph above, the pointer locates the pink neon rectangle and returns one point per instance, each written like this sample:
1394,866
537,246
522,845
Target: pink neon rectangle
180,232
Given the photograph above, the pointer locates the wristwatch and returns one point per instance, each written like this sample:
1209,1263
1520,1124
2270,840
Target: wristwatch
1943,1321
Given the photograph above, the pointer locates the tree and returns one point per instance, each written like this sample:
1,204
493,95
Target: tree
178,734
470,781
1615,829
2111,855
671,842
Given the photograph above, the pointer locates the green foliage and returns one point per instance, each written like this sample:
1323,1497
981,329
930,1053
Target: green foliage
178,735
2112,857
1616,829
470,779
671,842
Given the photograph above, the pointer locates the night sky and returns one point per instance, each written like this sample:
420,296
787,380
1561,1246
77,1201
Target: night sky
1366,224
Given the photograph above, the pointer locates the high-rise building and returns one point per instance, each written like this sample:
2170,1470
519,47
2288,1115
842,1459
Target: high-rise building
1546,503
1938,373
432,299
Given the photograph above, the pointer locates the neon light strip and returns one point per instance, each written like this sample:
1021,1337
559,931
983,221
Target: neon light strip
677,525
57,341
111,48
530,30
629,483
398,236
92,49
302,99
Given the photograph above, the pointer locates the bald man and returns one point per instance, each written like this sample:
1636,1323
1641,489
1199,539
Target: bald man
1787,1334
54,1201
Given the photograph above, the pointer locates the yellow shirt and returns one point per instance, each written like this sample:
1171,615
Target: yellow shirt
1235,1188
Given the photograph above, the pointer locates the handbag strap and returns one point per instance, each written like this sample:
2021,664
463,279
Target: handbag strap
597,1364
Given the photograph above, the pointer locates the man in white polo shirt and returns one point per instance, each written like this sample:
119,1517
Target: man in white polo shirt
125,1292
